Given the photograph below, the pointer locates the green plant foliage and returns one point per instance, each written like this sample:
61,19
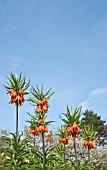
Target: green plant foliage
82,166
60,149
17,82
61,131
34,120
72,116
39,94
16,151
88,133
18,154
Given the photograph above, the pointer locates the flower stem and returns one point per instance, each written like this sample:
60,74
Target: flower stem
76,160
64,152
34,139
43,147
16,121
88,154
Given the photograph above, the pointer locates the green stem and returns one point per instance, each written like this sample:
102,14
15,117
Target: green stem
15,167
88,154
34,139
64,152
43,147
76,160
16,121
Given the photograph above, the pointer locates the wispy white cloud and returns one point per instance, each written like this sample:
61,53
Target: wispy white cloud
92,97
16,61
97,92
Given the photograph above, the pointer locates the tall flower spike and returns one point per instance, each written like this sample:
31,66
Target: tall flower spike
17,87
89,136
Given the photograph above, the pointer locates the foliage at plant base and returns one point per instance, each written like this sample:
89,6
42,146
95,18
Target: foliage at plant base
15,151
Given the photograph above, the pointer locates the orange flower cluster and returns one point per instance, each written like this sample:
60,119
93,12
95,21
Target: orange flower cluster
73,130
41,129
88,143
17,98
33,132
42,105
38,130
64,140
40,122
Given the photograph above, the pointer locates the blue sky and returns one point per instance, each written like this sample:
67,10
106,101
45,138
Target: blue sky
57,43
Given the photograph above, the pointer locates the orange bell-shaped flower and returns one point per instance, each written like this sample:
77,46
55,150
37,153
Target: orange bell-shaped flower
10,91
13,97
39,103
45,129
38,110
44,108
21,92
88,143
40,121
18,100
64,140
73,130
60,139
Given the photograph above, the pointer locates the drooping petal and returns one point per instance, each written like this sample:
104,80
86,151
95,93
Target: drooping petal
38,110
20,92
40,121
73,130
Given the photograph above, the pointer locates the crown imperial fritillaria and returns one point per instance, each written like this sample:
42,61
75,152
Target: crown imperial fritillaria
17,89
64,140
42,106
73,130
88,143
17,98
40,100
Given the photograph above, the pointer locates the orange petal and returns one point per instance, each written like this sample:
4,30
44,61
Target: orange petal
38,110
40,121
39,103
45,129
20,92
10,91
